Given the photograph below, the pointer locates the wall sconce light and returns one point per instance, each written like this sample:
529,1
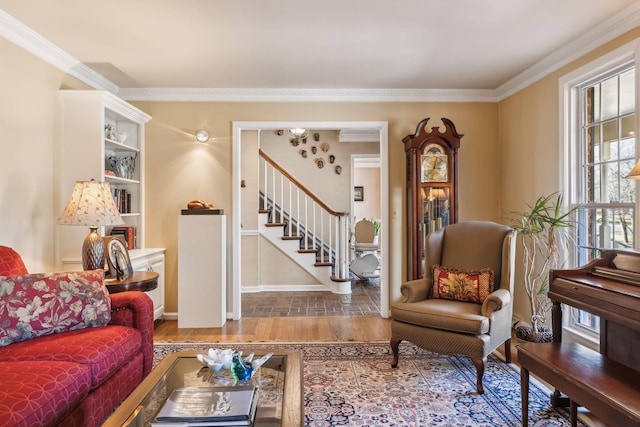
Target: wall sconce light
202,136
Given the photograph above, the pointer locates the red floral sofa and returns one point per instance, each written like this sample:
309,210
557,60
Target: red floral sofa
69,351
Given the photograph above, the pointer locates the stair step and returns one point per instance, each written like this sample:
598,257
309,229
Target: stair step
263,211
275,224
307,251
292,238
323,264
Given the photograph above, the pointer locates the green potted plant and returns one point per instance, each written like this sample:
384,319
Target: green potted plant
545,235
376,227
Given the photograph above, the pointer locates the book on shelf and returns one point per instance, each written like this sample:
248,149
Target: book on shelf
209,406
128,234
122,198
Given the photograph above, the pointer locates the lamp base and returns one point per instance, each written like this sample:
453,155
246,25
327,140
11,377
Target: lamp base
93,251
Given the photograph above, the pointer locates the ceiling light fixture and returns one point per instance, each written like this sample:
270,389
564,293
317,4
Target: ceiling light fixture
202,135
298,135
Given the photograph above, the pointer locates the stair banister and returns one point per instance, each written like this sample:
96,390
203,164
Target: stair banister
332,247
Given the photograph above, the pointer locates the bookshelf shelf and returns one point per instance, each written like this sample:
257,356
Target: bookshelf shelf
103,138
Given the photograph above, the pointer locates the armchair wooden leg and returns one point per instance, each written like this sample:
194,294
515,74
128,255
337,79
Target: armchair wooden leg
507,351
395,345
480,365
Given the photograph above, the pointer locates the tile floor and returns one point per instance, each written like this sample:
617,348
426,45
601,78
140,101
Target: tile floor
364,300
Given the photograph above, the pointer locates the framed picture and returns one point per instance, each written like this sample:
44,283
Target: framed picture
358,194
118,260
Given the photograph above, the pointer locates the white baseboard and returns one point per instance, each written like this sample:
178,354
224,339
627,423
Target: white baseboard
174,316
284,288
170,316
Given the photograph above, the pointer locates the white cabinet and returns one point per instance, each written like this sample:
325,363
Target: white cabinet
151,260
93,146
202,278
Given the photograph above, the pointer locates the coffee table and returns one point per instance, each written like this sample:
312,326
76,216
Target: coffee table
280,381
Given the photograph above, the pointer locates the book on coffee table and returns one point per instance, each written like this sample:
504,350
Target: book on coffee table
209,406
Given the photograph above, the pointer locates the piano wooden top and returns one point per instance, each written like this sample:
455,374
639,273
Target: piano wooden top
608,287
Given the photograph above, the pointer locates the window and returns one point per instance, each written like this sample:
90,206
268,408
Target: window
601,151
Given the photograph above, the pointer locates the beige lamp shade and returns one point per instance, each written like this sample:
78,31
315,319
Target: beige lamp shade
91,204
635,172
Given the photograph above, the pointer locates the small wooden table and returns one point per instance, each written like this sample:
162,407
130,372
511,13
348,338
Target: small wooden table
142,281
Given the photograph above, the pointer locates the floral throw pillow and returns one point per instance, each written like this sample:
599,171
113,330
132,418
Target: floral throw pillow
32,305
459,285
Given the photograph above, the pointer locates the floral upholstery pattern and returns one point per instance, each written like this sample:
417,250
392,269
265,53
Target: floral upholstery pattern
33,305
88,351
458,285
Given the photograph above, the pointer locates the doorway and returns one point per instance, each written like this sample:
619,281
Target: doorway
234,263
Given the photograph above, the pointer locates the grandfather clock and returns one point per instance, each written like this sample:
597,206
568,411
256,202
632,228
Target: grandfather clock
432,188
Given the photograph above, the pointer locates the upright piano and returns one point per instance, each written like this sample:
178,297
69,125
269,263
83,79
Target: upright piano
607,382
610,288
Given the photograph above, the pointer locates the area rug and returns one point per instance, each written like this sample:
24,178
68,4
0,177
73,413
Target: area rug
353,384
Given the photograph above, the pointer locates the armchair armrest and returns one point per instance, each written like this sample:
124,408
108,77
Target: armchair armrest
495,301
415,290
135,309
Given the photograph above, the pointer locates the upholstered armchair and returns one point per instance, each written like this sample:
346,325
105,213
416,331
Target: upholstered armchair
463,305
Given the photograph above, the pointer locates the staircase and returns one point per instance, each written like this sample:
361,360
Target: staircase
303,227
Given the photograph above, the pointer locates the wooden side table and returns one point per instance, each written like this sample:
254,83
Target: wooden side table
141,281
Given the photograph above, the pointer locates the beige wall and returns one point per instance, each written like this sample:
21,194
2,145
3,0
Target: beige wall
369,179
529,140
28,128
508,156
179,169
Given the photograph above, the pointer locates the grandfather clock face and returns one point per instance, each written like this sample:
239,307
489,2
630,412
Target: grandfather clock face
435,164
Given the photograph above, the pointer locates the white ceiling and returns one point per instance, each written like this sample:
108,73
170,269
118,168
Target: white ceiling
317,45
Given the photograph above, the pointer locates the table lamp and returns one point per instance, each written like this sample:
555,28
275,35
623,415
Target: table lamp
91,204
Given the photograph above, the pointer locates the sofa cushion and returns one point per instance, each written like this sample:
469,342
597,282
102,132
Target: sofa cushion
104,350
40,393
442,314
102,401
460,285
11,262
33,305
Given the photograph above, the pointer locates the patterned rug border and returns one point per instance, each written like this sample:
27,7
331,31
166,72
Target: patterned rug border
377,355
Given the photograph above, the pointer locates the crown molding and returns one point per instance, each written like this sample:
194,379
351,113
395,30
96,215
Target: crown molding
18,33
23,36
617,25
306,95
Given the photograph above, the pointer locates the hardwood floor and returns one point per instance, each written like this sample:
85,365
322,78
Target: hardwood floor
282,329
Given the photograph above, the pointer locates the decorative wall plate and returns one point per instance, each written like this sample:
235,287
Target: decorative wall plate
324,147
338,169
303,153
319,162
